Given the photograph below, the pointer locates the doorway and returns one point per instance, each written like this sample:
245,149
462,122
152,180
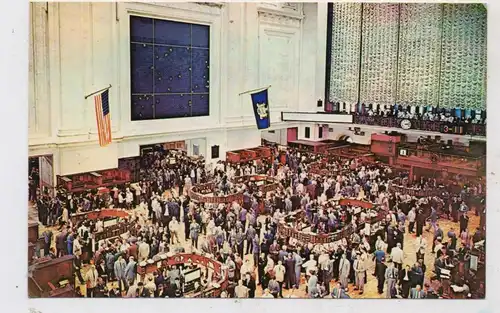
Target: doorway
292,134
41,176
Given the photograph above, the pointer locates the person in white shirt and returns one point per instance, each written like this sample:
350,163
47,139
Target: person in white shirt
99,226
187,184
241,291
311,265
129,198
138,192
124,247
143,251
156,206
360,272
267,294
380,244
420,246
397,256
411,220
91,278
193,176
121,200
173,226
269,265
150,286
279,272
77,246
246,268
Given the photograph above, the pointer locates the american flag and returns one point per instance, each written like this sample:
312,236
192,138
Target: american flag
103,118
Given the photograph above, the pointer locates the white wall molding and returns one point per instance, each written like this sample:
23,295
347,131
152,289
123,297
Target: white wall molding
279,19
211,8
282,11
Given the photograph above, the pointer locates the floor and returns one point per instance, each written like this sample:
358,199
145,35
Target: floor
371,285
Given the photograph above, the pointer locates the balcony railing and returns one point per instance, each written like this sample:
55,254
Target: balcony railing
432,126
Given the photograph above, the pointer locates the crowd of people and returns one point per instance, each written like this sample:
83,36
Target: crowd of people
244,237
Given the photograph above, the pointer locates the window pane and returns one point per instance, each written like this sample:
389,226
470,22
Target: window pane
172,106
141,70
172,33
172,65
201,36
142,107
141,29
200,70
200,105
172,73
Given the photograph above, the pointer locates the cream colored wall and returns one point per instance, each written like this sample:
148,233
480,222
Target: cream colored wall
77,48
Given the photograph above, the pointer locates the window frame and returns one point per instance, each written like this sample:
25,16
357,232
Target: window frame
177,12
156,44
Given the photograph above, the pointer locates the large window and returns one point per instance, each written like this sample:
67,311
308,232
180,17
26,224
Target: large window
169,66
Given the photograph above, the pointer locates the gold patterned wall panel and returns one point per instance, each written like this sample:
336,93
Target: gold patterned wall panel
419,54
463,64
379,53
345,49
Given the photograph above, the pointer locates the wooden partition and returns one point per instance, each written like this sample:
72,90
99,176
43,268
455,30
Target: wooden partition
201,193
285,230
46,275
86,181
99,214
220,274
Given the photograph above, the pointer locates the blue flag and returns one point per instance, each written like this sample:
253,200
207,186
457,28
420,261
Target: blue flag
260,103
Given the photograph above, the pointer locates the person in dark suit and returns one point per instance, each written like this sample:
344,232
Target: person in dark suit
380,268
260,270
290,279
464,222
249,282
142,292
405,281
420,222
102,271
61,243
438,265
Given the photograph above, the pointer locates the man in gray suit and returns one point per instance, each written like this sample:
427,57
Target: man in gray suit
298,268
131,271
360,270
119,271
417,293
344,269
391,275
250,235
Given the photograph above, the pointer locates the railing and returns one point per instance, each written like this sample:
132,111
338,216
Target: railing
199,193
284,230
268,183
433,126
396,186
219,271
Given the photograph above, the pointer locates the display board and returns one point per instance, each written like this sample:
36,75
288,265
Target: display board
345,32
416,54
379,53
419,54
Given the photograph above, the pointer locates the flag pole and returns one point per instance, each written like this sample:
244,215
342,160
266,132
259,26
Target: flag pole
253,90
98,91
